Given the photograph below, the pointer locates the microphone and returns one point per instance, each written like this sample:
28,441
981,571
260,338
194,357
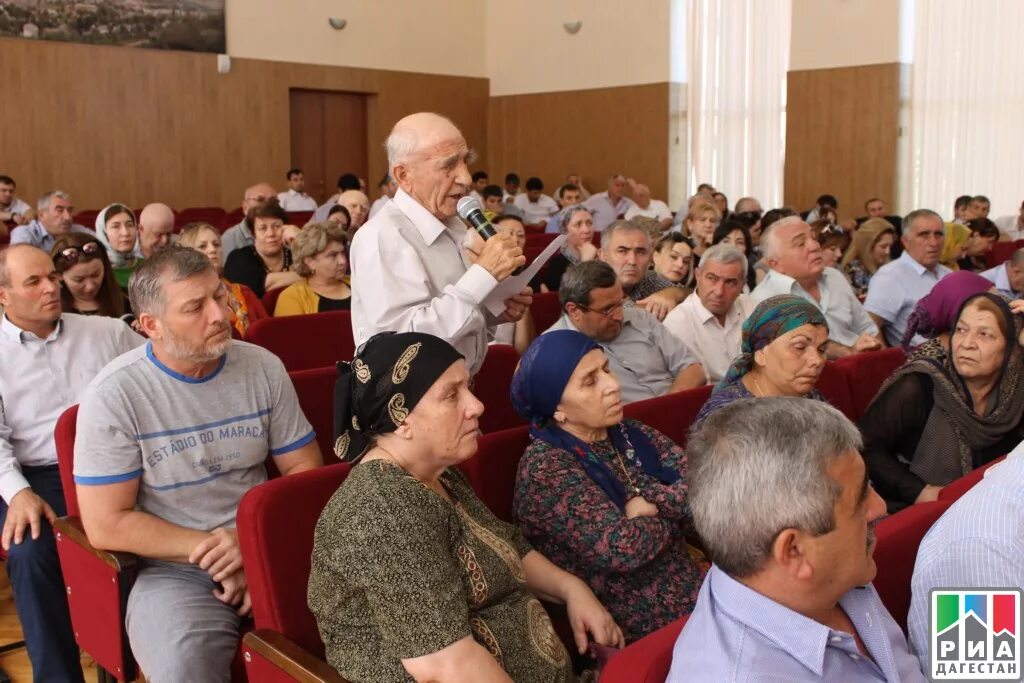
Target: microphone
471,211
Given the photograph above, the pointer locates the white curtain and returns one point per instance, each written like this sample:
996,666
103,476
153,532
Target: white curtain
967,105
736,109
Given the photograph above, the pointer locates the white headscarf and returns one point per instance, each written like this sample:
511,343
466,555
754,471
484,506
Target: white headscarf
117,259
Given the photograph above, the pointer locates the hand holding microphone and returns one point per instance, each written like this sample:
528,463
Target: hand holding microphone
501,256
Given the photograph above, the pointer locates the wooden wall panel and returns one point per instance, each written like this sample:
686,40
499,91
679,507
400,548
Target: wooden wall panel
111,123
593,132
842,130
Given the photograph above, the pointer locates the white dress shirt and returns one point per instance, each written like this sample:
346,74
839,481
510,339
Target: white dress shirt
41,378
1001,279
656,209
18,206
715,344
409,275
296,201
847,319
538,212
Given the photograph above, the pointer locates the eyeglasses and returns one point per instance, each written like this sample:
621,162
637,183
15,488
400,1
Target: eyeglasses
607,313
72,254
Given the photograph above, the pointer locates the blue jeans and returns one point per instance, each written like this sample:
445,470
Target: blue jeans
38,584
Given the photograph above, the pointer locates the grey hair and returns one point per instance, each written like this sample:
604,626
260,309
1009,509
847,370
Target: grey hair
567,214
313,239
578,280
908,222
759,466
173,263
725,254
43,202
620,226
403,142
1017,259
769,243
5,279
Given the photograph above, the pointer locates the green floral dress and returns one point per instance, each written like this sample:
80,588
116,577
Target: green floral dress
398,572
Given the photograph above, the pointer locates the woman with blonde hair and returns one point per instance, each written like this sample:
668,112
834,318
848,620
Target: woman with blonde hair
320,251
869,250
699,225
954,247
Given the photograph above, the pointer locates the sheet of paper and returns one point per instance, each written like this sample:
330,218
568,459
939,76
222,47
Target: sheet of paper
508,288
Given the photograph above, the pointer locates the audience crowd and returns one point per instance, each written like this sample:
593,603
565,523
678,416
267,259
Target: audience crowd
766,516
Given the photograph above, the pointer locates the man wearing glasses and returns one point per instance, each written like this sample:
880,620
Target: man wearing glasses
54,220
647,359
239,236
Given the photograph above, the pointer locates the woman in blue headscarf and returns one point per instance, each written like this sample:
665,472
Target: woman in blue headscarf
602,497
782,354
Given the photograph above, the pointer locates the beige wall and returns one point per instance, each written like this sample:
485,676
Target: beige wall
422,36
836,33
620,44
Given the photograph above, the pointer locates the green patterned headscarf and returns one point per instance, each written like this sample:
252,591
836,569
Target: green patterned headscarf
771,319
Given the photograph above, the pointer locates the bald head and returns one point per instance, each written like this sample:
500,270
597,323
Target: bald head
642,196
747,204
429,160
29,289
257,194
156,224
417,133
358,206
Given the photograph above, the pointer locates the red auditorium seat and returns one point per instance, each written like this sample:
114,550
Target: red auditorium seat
232,218
535,229
492,471
87,218
214,215
952,492
546,310
276,549
865,373
299,218
898,538
315,389
303,342
492,385
671,415
270,299
834,385
648,660
541,240
1001,252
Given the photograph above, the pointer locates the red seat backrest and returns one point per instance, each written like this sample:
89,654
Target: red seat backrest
491,386
214,215
87,217
232,218
299,218
315,389
542,239
276,521
898,538
648,660
546,310
64,439
865,373
1001,252
952,491
302,342
269,299
835,387
492,471
672,414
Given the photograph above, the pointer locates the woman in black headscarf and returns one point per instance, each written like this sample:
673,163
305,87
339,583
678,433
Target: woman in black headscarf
411,573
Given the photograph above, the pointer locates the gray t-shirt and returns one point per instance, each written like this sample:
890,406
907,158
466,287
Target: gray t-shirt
197,444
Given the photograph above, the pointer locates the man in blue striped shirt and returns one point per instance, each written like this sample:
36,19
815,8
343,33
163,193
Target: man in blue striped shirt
781,497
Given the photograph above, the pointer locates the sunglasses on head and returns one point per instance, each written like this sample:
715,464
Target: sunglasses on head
72,254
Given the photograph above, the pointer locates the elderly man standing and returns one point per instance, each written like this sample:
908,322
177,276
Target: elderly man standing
410,271
789,596
53,220
898,285
651,208
48,359
795,265
170,437
156,225
239,235
606,207
645,357
710,321
627,248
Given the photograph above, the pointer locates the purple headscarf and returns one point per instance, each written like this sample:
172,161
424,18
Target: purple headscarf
936,312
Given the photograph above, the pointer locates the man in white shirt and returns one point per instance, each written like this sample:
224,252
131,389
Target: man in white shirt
12,208
607,207
48,359
480,181
239,235
1008,277
536,206
387,193
511,188
651,208
710,321
411,271
1011,228
796,267
295,197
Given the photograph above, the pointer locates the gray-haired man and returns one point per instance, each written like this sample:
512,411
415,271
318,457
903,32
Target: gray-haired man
170,436
781,497
54,219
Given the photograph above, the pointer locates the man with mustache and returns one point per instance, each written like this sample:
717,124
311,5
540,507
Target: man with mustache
796,267
408,269
53,219
48,359
170,436
627,248
789,596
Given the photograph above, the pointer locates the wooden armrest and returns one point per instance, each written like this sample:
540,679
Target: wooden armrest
290,658
72,528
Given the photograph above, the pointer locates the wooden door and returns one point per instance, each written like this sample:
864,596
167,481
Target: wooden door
328,138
